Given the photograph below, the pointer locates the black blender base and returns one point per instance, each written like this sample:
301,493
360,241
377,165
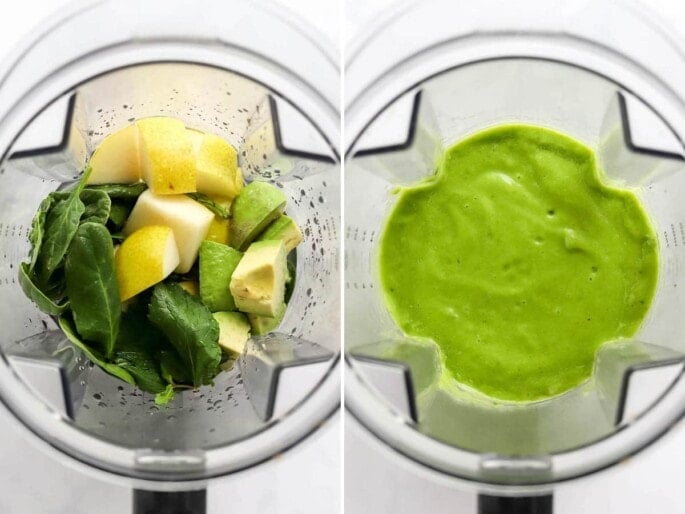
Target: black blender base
182,502
515,505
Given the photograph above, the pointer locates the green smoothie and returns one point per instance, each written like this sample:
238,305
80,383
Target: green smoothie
518,261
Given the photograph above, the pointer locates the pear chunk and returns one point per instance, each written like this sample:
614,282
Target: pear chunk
167,160
116,160
188,219
145,258
216,161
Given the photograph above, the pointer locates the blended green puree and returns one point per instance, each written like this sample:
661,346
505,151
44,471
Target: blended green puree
518,262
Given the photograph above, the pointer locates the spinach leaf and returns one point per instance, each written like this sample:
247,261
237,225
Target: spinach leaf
33,292
191,329
173,369
165,396
136,350
205,200
38,229
92,286
125,192
118,214
66,323
97,205
61,224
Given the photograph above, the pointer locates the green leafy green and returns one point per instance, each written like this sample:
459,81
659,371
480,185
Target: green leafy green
118,214
165,396
124,192
191,329
205,200
33,292
173,369
61,223
66,323
97,206
92,286
38,229
136,350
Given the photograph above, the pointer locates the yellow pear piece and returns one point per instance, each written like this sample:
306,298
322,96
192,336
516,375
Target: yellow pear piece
217,165
188,219
116,160
144,259
167,161
219,230
190,286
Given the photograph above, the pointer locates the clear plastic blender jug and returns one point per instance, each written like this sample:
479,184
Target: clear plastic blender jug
220,68
577,67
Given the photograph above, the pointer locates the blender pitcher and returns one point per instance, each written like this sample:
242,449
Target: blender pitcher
576,67
220,68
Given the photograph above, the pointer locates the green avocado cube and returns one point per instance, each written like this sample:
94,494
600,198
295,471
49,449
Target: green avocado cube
263,324
284,229
234,331
258,204
217,263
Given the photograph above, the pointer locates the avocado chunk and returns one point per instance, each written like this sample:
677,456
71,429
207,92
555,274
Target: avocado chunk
258,283
217,264
290,280
257,205
284,229
234,331
263,324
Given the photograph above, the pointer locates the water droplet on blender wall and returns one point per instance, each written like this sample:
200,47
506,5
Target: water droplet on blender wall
101,424
102,404
97,396
212,430
171,418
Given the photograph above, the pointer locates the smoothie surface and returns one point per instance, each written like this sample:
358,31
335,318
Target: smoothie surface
518,261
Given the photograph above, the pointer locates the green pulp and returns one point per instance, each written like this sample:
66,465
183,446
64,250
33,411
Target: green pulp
518,262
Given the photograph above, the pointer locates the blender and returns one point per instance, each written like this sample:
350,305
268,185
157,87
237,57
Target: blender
220,68
422,79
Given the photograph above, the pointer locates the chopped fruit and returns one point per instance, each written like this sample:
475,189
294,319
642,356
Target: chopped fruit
284,229
263,324
234,331
187,218
145,258
258,283
167,159
190,286
219,230
217,165
116,160
257,206
217,263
